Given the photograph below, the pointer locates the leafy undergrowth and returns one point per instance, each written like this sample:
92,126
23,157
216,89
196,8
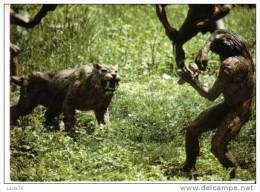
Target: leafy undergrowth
146,135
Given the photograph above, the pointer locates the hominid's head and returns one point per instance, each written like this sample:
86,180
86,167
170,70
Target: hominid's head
228,44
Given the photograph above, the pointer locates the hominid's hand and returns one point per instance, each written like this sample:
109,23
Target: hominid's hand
201,60
186,74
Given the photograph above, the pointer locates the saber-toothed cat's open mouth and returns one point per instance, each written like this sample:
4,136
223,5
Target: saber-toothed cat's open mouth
110,85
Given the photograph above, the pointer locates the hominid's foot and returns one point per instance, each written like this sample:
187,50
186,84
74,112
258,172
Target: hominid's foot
183,171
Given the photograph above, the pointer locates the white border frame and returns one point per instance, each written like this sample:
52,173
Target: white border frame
7,185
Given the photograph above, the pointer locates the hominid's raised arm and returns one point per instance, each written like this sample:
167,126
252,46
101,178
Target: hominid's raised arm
224,44
210,94
202,56
235,63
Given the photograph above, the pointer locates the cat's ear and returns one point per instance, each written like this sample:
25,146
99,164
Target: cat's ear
97,66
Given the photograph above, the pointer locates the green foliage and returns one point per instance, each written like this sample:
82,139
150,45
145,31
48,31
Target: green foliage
149,113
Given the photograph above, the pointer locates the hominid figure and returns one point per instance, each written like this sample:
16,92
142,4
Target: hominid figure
200,18
235,82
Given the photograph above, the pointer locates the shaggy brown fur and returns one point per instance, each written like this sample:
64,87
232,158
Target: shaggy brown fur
84,88
235,82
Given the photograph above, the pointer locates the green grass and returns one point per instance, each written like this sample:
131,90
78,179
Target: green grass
148,114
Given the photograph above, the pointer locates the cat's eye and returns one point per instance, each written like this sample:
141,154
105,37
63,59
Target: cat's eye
103,70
